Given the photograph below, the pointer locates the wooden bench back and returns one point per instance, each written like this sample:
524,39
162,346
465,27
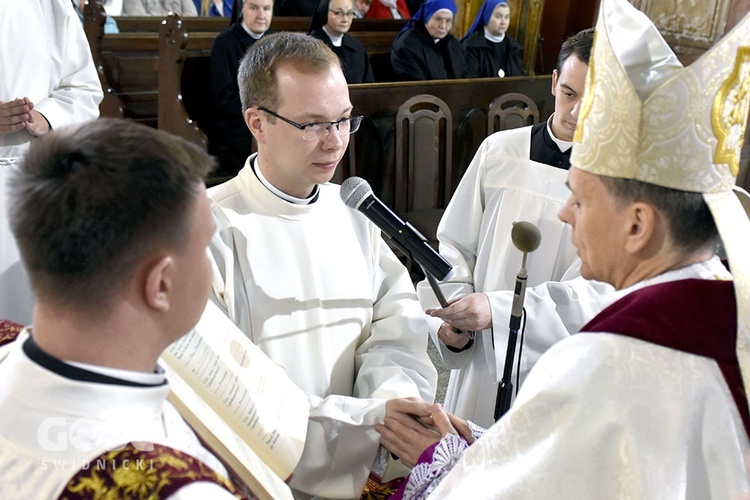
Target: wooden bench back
129,62
468,101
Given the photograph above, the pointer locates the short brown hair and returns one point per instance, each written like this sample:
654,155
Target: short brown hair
691,224
257,74
90,201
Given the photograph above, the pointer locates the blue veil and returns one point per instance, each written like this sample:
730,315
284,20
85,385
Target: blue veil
483,16
426,11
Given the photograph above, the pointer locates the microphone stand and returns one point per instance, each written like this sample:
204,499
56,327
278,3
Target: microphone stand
435,287
505,388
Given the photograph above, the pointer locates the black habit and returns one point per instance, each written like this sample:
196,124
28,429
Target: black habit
416,56
485,58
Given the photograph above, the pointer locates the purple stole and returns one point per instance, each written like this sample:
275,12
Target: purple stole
147,471
693,315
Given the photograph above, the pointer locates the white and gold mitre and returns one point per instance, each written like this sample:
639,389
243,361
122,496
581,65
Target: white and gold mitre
646,117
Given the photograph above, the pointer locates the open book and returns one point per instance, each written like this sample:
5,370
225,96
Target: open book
242,404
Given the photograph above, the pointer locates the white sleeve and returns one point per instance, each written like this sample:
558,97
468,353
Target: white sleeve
605,416
458,233
201,491
76,97
391,363
554,311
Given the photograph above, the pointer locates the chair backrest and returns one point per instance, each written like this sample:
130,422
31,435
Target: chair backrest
512,110
471,130
424,154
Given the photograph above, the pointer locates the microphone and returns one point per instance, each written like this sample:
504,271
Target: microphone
357,194
526,238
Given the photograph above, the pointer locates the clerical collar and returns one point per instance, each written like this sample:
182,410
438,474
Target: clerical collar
90,373
335,40
291,199
256,36
562,145
493,38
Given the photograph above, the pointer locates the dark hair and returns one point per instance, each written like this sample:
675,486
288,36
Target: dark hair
691,224
579,45
90,201
257,73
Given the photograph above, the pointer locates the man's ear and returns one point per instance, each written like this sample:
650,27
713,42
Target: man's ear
254,123
554,80
159,283
643,220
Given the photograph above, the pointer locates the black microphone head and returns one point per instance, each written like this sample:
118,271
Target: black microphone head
526,236
354,190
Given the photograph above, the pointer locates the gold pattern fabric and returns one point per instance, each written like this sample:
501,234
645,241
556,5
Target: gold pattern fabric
376,489
141,470
646,117
650,119
9,331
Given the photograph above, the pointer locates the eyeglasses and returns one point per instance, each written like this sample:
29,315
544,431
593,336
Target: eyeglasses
341,13
319,130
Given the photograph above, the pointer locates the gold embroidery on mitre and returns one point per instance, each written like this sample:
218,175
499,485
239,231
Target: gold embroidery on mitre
730,110
613,116
588,98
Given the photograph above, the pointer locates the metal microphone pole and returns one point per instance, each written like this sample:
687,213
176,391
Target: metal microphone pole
526,238
505,388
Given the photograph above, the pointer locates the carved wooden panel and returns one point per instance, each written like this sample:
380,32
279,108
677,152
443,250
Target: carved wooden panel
691,26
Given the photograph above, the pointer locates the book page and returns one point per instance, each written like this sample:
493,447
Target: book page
225,443
250,392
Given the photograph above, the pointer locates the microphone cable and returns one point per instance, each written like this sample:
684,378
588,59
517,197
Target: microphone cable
520,350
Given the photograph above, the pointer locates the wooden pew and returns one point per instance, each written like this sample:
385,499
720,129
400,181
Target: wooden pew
151,24
128,61
94,18
468,101
178,74
184,68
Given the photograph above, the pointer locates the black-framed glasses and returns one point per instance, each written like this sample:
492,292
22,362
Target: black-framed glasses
316,131
342,13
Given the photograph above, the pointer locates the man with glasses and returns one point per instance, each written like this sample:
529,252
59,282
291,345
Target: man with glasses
309,280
